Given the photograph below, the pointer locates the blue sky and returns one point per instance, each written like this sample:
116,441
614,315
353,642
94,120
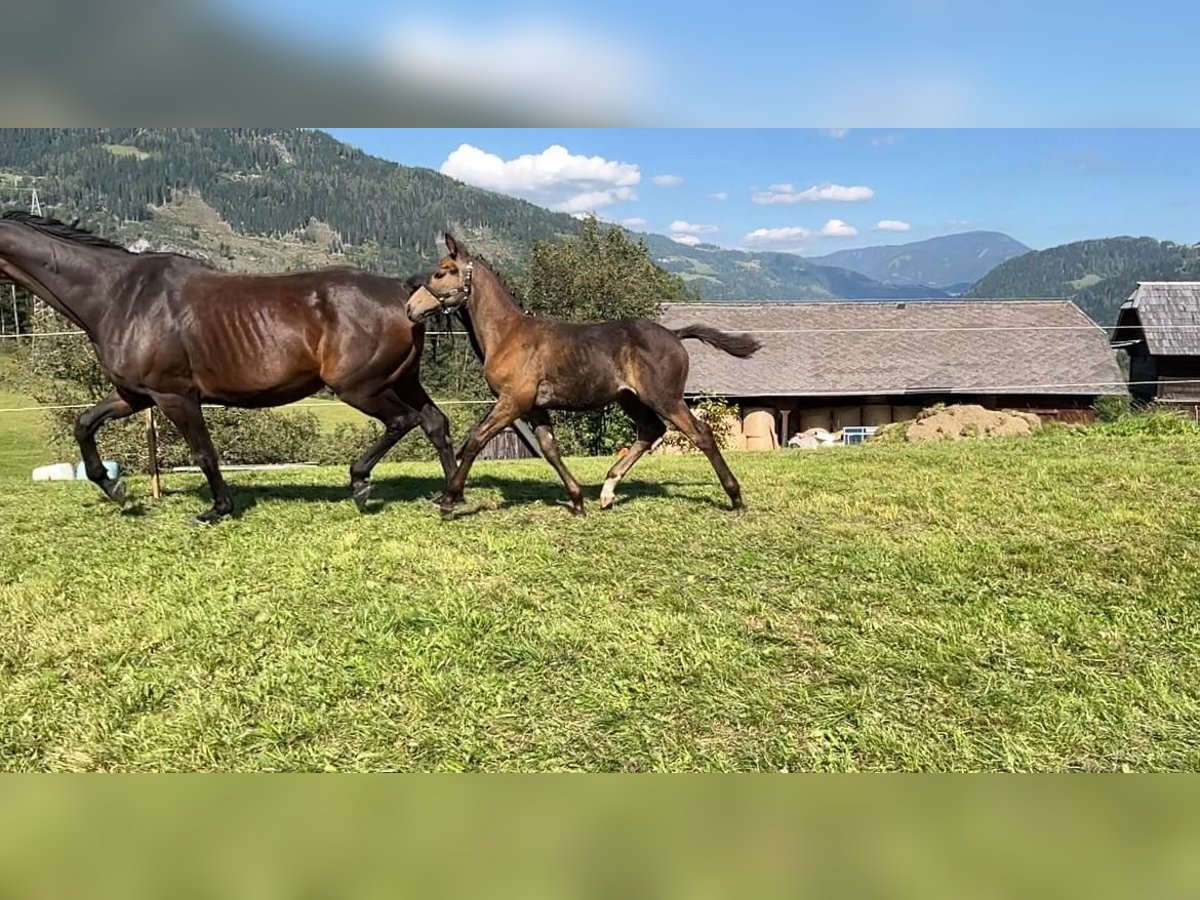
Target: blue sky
775,62
812,191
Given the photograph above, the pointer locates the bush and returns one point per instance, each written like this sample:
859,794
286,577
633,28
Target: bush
714,412
1152,423
1112,407
241,436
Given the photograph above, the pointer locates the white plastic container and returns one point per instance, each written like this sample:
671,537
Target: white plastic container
56,472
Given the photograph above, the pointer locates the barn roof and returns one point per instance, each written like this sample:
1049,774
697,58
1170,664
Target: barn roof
1156,310
902,347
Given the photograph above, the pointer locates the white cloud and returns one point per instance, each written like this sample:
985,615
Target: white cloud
526,63
836,133
555,178
789,238
679,226
836,193
887,140
892,225
633,222
667,181
719,195
838,228
690,239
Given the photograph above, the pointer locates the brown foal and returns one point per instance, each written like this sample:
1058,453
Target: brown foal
533,365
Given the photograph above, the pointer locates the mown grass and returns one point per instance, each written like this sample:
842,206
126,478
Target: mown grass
22,434
1008,605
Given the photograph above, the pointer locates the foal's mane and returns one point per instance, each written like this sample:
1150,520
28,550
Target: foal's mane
55,228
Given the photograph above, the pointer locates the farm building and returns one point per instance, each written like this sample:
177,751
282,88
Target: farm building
839,364
1159,326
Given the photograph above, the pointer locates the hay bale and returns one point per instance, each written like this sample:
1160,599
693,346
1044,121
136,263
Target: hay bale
877,414
846,415
816,417
758,426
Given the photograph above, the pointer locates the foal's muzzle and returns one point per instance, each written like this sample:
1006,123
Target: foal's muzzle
422,304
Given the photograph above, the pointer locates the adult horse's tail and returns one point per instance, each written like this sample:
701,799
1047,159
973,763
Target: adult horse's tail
739,345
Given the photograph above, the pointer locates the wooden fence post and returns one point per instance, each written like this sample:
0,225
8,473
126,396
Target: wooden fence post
152,448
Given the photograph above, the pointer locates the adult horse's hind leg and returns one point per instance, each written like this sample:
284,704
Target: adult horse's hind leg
649,429
398,419
540,420
186,415
114,406
433,422
701,435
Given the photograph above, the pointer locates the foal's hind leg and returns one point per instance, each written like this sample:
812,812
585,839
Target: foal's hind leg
701,435
186,415
540,420
114,406
649,429
398,419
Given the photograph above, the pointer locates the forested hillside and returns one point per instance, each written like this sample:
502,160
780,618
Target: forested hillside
265,183
1099,275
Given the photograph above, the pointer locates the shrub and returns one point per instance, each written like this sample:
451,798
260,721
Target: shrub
714,412
1112,407
1153,423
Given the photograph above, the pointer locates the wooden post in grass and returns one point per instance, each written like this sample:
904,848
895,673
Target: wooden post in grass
152,448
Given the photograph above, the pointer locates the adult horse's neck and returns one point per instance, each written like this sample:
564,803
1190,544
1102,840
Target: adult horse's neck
492,310
74,279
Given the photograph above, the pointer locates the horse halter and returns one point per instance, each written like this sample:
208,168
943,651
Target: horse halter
458,296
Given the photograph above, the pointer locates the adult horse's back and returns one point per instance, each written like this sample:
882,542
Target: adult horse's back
172,332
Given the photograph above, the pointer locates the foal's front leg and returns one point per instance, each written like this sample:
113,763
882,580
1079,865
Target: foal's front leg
503,414
540,420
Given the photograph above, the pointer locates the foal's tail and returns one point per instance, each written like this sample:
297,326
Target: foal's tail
739,345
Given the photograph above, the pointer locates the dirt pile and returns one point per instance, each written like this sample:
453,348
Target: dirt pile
956,423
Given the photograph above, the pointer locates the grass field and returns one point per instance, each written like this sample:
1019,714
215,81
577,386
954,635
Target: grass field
1008,605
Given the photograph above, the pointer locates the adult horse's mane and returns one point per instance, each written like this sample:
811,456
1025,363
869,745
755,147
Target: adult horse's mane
56,228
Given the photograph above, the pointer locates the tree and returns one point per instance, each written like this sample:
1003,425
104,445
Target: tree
599,274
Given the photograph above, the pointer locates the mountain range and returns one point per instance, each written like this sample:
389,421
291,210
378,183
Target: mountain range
952,262
266,199
1099,275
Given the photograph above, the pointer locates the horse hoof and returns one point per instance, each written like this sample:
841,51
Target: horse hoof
361,495
116,492
738,508
212,517
578,512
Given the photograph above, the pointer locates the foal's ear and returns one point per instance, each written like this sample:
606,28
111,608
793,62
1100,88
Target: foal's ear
456,249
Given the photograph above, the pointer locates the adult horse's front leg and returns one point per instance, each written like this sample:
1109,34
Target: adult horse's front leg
398,419
503,414
114,406
186,415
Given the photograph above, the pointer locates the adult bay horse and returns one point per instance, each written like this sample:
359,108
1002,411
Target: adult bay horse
534,364
172,332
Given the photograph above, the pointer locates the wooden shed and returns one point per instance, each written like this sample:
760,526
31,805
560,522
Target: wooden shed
833,364
1159,327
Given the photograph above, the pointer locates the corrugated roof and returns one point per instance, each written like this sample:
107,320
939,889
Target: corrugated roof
1156,310
898,347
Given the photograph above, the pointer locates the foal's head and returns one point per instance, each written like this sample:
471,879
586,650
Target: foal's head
448,286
